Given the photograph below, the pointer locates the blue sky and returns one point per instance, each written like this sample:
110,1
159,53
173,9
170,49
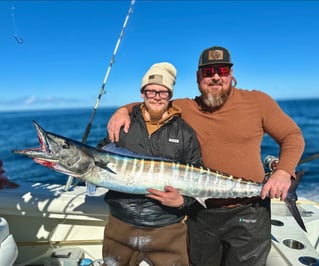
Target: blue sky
67,47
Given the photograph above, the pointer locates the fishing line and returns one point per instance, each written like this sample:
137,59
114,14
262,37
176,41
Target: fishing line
89,125
18,39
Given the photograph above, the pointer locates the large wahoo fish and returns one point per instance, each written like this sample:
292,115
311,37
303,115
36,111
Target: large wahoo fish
132,173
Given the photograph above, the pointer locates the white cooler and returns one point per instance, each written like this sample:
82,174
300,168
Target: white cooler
8,246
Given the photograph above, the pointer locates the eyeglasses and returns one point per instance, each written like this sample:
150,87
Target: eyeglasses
152,93
222,71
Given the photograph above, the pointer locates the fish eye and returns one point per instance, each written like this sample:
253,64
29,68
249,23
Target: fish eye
65,145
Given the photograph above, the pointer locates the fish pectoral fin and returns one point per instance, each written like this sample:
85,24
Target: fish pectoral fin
90,188
202,201
104,166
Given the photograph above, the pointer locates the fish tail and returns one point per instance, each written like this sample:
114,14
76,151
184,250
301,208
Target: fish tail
292,198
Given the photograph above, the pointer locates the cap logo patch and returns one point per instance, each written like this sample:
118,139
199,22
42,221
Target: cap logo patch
155,78
215,55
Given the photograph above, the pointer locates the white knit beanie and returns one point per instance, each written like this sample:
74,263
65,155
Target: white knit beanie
162,74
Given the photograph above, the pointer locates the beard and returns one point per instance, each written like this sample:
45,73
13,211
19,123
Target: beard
155,114
215,101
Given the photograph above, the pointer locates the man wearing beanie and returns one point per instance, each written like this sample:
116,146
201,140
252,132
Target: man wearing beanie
152,228
230,124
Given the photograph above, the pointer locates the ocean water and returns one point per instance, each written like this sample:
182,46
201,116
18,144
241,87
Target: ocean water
17,132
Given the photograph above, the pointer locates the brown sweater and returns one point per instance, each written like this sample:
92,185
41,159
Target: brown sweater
231,137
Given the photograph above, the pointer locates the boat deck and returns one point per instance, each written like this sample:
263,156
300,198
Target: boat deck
44,220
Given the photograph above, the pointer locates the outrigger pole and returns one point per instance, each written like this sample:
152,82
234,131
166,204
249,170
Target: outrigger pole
89,125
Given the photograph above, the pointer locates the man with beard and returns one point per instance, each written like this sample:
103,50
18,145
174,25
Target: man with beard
152,228
230,124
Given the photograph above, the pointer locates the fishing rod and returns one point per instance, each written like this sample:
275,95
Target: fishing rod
309,158
89,125
271,161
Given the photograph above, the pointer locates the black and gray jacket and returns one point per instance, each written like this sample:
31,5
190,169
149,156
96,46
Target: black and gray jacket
174,140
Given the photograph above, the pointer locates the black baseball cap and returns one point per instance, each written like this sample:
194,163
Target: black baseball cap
214,55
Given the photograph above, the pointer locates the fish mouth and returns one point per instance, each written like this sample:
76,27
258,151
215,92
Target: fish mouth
43,154
59,153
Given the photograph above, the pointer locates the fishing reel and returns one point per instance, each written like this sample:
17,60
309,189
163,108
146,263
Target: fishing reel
270,164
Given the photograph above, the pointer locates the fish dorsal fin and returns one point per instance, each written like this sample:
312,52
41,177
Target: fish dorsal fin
113,148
